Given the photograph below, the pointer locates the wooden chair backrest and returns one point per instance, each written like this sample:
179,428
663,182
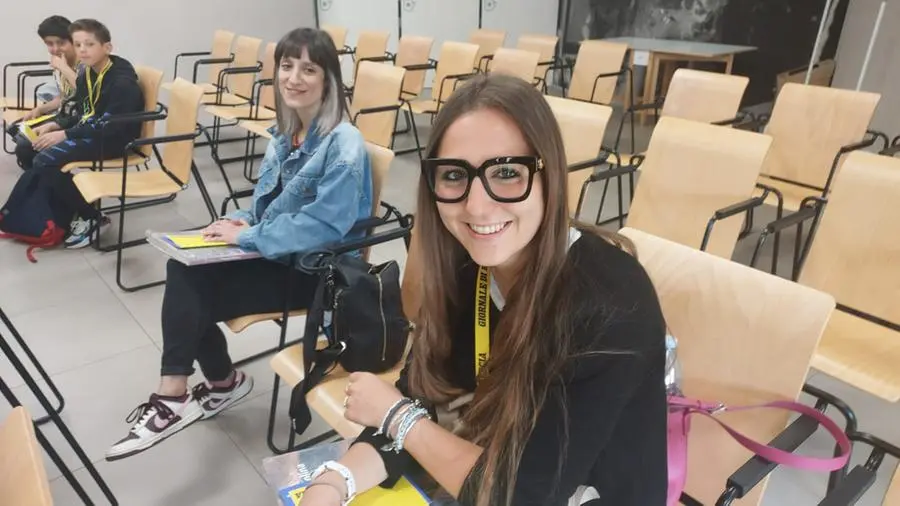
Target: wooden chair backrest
246,54
544,45
744,337
377,85
23,479
221,48
267,93
456,58
149,79
704,96
184,104
488,42
582,126
371,44
338,35
515,62
380,159
413,50
856,251
596,57
809,126
691,170
821,75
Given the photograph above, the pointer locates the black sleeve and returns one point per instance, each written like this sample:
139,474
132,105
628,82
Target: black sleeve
124,96
605,424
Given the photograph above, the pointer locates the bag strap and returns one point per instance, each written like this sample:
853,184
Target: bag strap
316,363
772,454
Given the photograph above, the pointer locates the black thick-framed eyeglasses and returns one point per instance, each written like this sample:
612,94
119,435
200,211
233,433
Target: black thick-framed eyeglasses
506,179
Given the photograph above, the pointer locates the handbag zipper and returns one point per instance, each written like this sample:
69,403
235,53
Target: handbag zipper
383,319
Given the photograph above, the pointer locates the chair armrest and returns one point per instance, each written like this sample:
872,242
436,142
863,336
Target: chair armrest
647,106
865,143
737,120
460,77
374,110
133,117
266,82
252,69
595,162
740,207
346,50
242,194
805,213
614,172
756,469
312,261
209,61
37,73
421,66
378,59
164,139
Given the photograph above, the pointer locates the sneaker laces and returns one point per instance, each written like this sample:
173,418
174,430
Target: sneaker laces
147,410
201,393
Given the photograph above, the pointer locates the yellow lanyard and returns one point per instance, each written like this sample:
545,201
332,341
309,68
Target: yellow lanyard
482,319
92,98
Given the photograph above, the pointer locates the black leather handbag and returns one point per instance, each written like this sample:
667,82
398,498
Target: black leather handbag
368,330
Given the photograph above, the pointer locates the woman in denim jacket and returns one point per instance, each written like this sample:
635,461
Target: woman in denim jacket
315,182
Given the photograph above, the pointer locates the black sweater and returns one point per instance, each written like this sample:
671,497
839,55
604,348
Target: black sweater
120,93
615,402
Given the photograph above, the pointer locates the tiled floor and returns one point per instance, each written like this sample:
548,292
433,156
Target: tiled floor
102,347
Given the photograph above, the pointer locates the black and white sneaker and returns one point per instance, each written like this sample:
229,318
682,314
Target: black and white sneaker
154,421
81,230
214,400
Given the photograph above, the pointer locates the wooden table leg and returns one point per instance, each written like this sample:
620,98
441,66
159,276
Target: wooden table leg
729,63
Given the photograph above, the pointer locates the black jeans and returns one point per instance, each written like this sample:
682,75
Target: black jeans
198,297
49,162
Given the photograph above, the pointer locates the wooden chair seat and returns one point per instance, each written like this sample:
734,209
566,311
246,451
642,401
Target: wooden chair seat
149,183
23,479
793,194
327,399
13,115
238,325
242,112
113,163
861,353
226,99
260,128
424,106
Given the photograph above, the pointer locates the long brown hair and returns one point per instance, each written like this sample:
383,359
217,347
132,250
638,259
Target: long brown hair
531,342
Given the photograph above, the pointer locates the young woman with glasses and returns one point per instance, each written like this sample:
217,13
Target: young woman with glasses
536,374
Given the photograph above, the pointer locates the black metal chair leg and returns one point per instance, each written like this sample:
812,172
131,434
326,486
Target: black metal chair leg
63,428
38,367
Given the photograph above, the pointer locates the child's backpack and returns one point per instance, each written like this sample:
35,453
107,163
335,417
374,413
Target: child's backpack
31,215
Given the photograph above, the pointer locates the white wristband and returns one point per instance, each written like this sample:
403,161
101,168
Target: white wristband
344,472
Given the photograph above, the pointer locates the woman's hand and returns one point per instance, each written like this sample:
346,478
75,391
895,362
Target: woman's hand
226,231
369,399
46,128
48,140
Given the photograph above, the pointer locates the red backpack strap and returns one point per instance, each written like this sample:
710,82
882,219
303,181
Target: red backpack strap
775,455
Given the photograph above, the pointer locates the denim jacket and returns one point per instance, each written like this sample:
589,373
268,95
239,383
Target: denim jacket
326,188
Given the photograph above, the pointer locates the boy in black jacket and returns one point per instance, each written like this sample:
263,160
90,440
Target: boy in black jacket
108,86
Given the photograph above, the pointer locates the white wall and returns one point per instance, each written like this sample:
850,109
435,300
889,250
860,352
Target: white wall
152,33
884,68
517,17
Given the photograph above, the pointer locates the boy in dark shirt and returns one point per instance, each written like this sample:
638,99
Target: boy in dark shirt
108,86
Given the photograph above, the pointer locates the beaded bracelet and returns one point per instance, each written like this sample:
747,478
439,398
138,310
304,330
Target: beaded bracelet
412,416
390,414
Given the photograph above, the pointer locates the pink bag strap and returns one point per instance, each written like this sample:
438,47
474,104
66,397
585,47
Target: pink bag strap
775,455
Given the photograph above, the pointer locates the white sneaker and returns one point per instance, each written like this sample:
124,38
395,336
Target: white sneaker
156,419
214,400
81,230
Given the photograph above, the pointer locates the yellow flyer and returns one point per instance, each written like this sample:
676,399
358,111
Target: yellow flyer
404,493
